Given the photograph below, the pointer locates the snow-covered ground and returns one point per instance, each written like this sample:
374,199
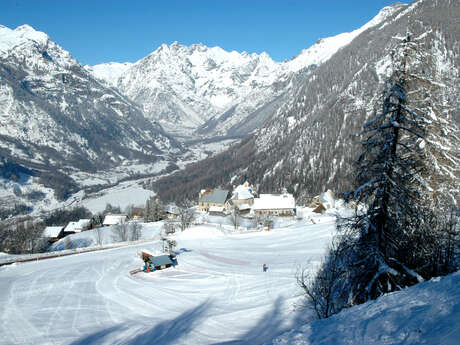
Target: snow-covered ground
427,313
217,292
123,195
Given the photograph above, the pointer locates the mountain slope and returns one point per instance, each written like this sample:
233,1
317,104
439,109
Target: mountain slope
186,86
312,140
211,92
108,72
57,119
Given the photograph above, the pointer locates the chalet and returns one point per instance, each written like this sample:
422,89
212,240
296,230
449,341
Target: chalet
212,197
76,227
53,233
274,205
114,219
242,195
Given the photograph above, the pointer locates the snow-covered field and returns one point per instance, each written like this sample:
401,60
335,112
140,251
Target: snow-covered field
123,195
217,293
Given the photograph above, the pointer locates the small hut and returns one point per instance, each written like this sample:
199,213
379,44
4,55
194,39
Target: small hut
159,262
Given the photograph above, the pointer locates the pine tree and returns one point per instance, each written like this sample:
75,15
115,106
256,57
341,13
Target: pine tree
388,177
400,234
401,237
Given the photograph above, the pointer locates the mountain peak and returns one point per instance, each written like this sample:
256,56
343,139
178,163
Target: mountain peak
9,39
30,33
324,48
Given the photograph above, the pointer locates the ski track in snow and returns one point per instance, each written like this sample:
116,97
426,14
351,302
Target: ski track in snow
217,293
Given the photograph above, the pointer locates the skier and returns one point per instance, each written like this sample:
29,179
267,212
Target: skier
264,268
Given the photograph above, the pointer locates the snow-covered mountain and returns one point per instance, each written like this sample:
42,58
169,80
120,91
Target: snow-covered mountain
57,119
185,88
312,140
108,72
213,92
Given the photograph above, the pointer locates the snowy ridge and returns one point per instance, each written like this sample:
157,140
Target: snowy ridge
214,92
184,85
109,72
322,50
24,34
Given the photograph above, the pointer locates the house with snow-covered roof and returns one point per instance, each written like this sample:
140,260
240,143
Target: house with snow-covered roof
75,227
172,211
53,233
274,205
114,219
242,198
323,202
212,197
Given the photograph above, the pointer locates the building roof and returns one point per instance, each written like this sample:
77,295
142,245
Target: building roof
173,209
244,207
77,226
327,199
219,209
161,260
217,196
274,202
113,219
243,192
52,231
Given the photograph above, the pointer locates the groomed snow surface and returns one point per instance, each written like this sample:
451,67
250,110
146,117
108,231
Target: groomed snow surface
217,294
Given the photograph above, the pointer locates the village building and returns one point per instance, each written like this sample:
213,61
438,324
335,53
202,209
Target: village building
323,202
114,219
212,197
242,198
217,211
274,205
171,211
76,227
53,233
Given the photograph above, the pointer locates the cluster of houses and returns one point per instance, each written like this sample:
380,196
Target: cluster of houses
244,200
55,233
218,202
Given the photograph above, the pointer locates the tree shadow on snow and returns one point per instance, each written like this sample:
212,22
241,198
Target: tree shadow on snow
164,333
269,326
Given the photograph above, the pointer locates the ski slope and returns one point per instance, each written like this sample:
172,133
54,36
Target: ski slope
217,293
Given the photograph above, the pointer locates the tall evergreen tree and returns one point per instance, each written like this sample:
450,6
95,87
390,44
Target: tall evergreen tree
389,184
400,234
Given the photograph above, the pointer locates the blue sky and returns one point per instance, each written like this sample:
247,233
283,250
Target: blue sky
96,31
